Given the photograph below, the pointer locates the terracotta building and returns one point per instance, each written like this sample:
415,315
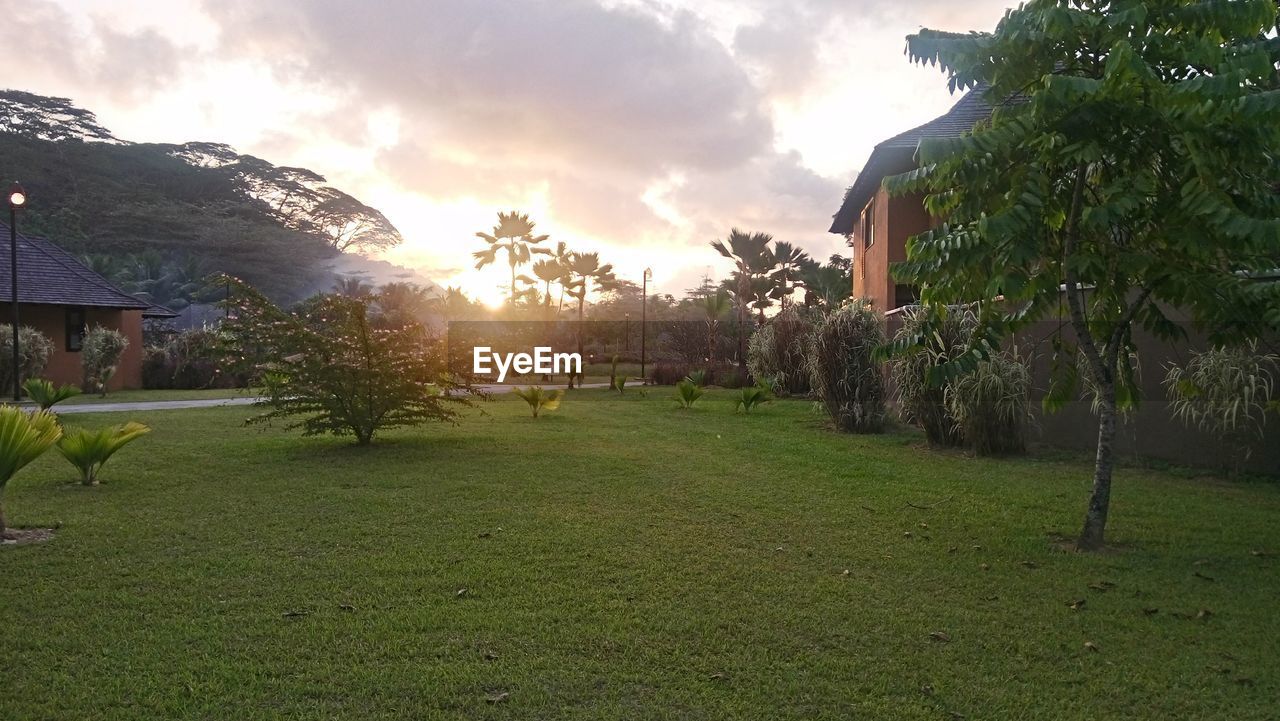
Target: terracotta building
876,225
61,298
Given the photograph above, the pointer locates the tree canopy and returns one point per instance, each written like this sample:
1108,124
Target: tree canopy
1130,168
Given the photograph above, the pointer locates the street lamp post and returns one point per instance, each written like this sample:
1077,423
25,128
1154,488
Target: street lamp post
17,198
644,307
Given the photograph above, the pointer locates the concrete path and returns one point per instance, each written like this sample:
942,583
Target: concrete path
68,408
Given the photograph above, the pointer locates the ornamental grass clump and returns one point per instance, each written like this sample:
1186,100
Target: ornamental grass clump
23,438
100,353
932,342
778,353
990,405
846,376
1227,392
89,450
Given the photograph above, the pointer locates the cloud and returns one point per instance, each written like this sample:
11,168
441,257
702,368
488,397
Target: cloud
59,50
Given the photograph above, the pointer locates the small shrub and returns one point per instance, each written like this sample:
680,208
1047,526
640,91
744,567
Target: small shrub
669,373
687,393
847,378
698,378
89,450
101,354
334,372
539,399
34,349
1226,392
619,383
779,352
45,395
23,438
754,396
990,405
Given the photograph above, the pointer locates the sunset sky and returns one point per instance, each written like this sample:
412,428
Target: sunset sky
640,129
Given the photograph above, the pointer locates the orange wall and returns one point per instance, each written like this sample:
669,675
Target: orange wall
64,366
896,220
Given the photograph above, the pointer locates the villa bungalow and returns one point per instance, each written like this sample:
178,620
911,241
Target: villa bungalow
62,298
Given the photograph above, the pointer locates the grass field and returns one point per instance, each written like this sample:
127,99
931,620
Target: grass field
623,559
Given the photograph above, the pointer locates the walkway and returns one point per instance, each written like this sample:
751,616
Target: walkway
68,408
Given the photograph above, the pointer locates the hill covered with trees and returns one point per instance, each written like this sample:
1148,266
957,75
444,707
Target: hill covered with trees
158,218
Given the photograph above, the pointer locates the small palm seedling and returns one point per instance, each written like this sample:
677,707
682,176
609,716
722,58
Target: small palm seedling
620,383
89,450
45,395
540,399
753,396
23,437
698,378
688,392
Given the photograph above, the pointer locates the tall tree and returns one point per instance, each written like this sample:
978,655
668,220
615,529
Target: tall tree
788,273
751,258
585,274
514,236
549,271
1129,167
713,307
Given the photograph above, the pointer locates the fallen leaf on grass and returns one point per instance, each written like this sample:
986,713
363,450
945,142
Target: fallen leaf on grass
346,607
295,614
1199,575
985,567
1029,564
906,534
716,677
1077,604
1091,646
486,534
1204,614
940,636
490,656
460,593
1150,611
497,697
1259,553
845,572
924,525
927,690
1103,586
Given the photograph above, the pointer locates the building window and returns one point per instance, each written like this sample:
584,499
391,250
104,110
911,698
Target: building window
75,329
869,224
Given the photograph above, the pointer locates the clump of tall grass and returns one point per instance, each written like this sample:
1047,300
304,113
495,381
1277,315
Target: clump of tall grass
846,376
778,353
990,406
920,401
1227,392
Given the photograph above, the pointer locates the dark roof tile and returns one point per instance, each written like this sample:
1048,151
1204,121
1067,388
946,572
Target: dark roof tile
49,275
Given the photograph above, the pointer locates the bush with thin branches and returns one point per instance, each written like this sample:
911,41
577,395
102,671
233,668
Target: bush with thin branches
1226,391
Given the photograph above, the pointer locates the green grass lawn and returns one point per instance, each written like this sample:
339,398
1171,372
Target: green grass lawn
624,559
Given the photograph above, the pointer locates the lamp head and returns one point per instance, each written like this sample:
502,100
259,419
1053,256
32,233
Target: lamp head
17,196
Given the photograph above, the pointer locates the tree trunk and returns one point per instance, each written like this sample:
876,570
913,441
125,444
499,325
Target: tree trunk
1092,537
4,528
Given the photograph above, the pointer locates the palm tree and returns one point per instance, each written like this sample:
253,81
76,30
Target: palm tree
751,259
713,307
401,304
352,287
583,269
826,286
788,276
514,235
549,271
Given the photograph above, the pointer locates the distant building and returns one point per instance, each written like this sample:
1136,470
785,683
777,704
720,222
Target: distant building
61,298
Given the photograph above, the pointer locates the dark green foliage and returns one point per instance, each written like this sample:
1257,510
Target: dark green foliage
330,370
990,406
34,349
778,353
752,397
198,204
846,374
1130,167
188,360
